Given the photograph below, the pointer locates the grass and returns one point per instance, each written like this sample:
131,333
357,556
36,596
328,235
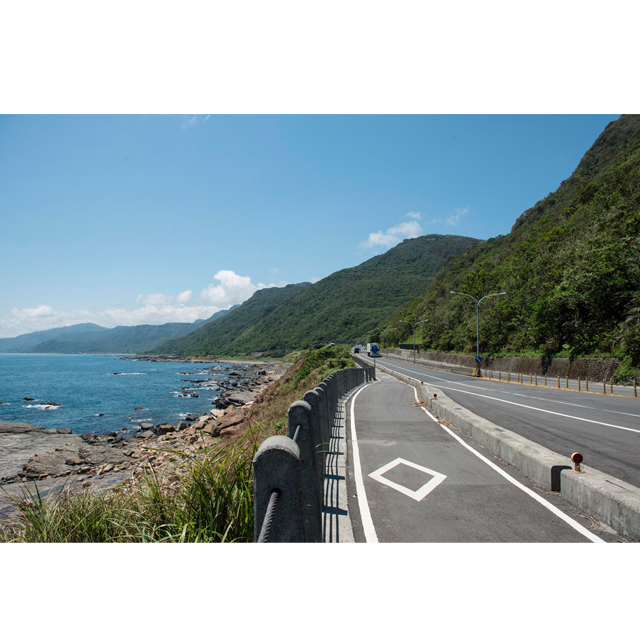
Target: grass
207,498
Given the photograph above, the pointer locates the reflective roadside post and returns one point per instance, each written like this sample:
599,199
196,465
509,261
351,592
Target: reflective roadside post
456,293
413,326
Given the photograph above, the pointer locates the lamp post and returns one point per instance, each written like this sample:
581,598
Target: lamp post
478,314
413,326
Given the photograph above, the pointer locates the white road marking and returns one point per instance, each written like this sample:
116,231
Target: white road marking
578,527
420,493
525,406
522,395
365,513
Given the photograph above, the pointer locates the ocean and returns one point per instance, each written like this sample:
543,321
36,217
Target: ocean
93,399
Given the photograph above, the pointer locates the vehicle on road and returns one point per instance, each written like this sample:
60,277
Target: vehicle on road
373,351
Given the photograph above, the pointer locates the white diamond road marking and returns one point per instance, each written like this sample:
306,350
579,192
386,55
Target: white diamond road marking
418,495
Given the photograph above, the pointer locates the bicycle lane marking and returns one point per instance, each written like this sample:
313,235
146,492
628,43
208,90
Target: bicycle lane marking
577,526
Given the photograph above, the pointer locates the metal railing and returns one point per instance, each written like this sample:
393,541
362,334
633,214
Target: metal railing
289,471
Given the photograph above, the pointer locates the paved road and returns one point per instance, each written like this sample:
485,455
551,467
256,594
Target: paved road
605,429
411,479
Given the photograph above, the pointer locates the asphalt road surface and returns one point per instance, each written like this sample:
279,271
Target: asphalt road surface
605,429
411,479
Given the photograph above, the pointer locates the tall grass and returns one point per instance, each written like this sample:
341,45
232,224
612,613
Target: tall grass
208,500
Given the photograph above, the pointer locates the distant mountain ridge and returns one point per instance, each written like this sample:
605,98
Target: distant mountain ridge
343,306
91,338
9,345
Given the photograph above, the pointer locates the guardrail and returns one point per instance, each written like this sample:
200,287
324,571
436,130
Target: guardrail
289,472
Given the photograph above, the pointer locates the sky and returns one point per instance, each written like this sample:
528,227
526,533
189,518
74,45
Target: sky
125,220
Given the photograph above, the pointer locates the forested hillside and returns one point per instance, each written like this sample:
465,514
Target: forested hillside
342,307
570,267
237,325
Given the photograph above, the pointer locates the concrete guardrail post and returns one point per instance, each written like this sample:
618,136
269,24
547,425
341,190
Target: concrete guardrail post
322,445
324,396
299,414
277,466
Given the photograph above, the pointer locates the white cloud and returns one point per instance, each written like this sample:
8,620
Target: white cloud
232,289
185,296
190,121
154,308
414,214
454,219
392,236
157,298
43,311
21,321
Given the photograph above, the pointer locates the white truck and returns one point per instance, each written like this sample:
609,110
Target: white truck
371,352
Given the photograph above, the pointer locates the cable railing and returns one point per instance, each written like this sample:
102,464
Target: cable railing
289,471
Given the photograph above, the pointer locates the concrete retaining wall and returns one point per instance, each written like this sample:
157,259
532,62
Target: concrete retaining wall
596,369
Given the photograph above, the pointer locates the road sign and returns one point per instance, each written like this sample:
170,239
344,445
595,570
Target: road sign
478,359
374,348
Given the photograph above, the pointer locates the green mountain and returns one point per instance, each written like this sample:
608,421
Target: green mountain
342,307
120,339
26,340
237,327
570,267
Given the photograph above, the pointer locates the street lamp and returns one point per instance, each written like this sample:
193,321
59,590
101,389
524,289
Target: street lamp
413,326
478,314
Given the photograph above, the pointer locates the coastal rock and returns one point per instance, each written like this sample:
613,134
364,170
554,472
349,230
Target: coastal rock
231,419
165,428
56,462
28,399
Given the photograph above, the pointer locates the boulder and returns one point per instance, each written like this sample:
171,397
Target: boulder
165,428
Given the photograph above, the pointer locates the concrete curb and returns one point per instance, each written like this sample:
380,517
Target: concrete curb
599,495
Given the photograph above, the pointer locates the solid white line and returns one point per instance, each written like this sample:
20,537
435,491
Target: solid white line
521,395
578,527
526,406
365,513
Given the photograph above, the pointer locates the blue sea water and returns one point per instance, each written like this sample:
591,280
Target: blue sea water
85,386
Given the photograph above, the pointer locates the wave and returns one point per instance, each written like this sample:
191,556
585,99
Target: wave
134,373
42,407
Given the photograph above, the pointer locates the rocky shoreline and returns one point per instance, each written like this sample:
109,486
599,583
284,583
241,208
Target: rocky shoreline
53,458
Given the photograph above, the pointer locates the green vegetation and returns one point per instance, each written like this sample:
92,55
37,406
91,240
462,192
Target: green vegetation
209,498
570,267
211,504
342,307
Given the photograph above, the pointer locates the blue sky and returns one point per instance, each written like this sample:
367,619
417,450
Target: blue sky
151,219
